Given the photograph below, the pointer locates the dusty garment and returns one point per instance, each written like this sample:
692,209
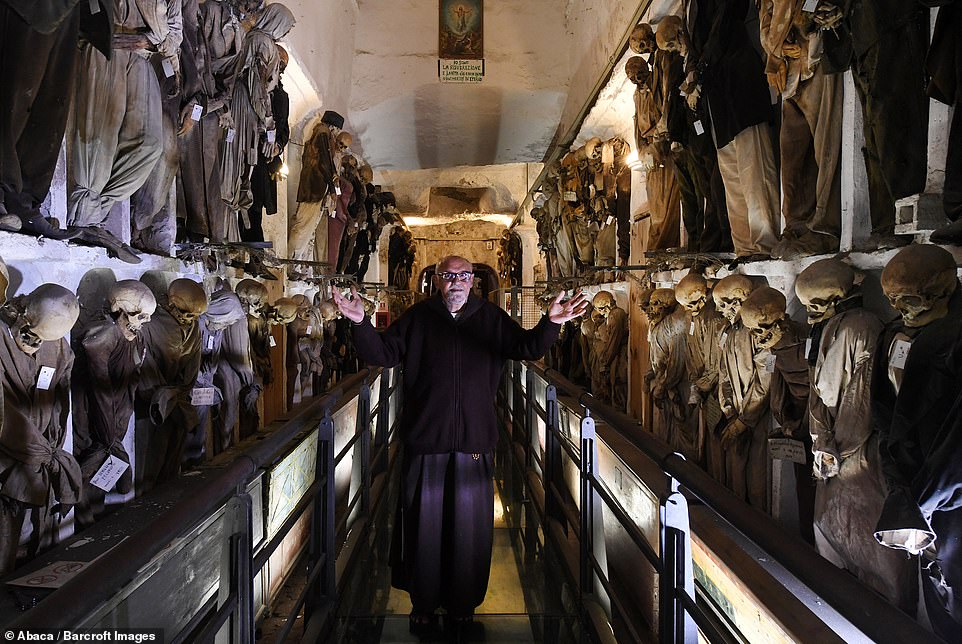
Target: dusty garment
215,43
701,190
664,196
944,65
105,377
337,224
224,310
265,173
34,468
702,353
584,234
171,365
235,380
260,342
315,191
747,166
153,217
119,127
743,384
733,80
848,504
894,105
789,392
37,55
356,213
613,357
673,420
256,73
920,447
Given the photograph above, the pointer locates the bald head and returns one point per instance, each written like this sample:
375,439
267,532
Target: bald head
444,264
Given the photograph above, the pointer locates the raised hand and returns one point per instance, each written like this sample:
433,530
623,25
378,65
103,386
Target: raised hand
560,312
352,309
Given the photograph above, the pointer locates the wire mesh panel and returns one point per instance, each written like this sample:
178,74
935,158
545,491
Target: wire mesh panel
521,303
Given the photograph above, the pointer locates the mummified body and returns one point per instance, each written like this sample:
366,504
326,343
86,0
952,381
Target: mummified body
743,385
110,354
915,405
702,353
850,489
164,411
672,419
612,355
35,471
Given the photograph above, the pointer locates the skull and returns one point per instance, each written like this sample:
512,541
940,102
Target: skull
366,173
284,311
344,140
919,281
303,306
329,310
823,285
692,293
638,71
764,315
603,302
253,297
672,36
131,305
47,313
642,39
661,304
729,294
186,301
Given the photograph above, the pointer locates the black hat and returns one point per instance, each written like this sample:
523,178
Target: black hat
333,118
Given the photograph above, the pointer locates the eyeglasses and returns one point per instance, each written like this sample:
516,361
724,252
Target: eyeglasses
463,276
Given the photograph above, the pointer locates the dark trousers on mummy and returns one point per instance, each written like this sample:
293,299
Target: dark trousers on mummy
441,549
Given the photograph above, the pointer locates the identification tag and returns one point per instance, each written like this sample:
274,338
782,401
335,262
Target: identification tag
109,473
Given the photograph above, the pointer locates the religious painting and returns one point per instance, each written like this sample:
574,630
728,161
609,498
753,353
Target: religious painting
461,33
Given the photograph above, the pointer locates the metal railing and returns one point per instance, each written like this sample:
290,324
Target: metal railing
95,596
532,401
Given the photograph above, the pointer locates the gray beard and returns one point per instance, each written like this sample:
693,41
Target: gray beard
454,301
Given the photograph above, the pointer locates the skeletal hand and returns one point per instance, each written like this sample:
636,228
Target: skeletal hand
791,50
186,122
827,15
732,432
778,78
693,98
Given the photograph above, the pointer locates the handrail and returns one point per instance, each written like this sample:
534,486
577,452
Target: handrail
80,596
868,612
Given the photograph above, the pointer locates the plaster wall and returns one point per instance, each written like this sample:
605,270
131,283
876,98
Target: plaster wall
406,118
508,183
322,46
596,31
474,240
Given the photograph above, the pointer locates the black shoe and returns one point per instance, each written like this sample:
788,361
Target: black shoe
96,236
951,234
255,266
463,628
34,223
420,624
